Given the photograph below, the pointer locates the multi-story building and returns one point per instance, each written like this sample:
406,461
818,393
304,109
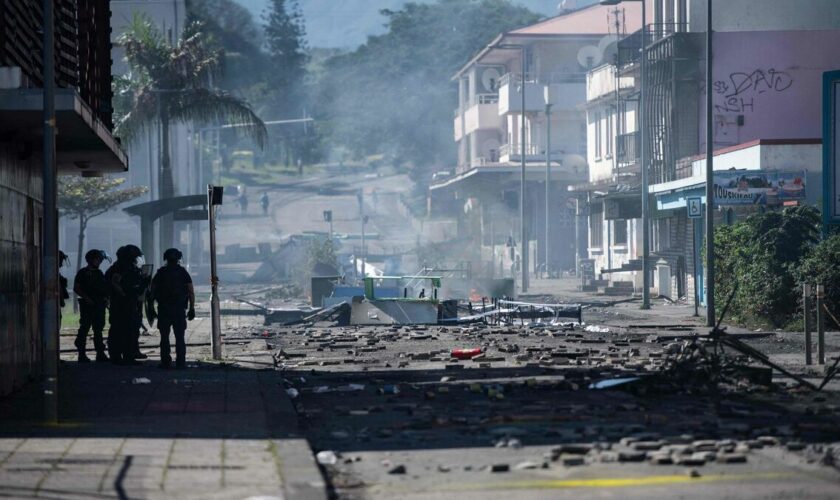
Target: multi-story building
547,61
84,146
767,70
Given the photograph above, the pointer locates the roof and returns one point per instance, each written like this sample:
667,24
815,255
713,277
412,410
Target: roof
592,21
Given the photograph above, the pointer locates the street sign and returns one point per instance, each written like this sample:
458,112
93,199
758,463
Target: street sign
694,204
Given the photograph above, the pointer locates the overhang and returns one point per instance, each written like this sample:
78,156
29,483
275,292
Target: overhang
84,145
497,174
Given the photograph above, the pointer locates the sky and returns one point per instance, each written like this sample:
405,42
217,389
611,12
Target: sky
348,23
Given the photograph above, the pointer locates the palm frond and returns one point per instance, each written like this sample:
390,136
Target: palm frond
212,106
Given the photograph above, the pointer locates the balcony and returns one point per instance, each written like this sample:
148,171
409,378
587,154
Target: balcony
630,47
510,98
627,149
602,82
481,115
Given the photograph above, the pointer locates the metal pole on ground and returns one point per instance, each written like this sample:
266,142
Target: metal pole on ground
820,324
214,197
806,301
49,248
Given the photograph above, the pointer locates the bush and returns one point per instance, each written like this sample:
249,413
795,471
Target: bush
762,255
822,266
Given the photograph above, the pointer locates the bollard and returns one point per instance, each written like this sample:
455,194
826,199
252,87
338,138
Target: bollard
820,324
806,313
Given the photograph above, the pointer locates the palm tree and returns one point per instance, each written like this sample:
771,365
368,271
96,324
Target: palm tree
169,83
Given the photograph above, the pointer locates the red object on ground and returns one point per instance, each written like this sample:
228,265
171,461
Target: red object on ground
466,353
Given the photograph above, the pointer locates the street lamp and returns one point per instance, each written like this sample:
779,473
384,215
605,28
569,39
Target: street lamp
642,158
547,179
522,233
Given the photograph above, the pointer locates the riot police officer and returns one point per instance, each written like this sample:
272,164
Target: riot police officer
92,290
173,291
127,286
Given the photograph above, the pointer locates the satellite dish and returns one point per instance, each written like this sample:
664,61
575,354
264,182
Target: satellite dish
490,79
605,42
589,56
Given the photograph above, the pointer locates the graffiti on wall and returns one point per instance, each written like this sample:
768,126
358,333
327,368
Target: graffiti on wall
738,95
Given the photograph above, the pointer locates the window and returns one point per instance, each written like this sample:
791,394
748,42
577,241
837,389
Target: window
661,235
597,135
620,232
610,135
596,226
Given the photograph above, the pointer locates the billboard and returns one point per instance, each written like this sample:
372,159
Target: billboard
756,187
831,147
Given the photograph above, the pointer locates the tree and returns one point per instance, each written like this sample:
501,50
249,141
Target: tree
393,94
171,84
85,198
286,96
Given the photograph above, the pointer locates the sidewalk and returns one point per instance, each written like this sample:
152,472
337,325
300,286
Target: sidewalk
209,431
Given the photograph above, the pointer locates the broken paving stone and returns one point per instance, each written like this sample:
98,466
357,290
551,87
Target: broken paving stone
443,468
399,469
731,458
660,458
694,473
572,460
327,457
500,468
631,456
526,465
795,446
647,445
572,449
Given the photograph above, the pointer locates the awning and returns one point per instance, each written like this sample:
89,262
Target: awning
83,143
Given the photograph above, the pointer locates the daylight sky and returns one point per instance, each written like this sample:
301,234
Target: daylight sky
348,23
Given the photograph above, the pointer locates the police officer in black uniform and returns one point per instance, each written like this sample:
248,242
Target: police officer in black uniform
173,291
62,281
127,285
92,290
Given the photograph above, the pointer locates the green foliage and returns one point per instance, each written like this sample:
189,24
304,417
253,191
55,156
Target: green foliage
170,83
393,94
321,251
822,266
762,254
85,198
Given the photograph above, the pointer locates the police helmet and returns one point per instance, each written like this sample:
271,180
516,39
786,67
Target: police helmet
172,254
95,254
129,253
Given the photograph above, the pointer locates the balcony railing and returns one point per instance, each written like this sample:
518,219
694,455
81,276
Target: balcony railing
484,99
630,47
516,150
627,148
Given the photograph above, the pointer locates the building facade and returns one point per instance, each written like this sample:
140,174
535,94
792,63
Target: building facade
768,62
547,61
84,146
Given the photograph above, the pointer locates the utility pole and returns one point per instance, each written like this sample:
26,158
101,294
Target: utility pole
214,197
523,234
643,158
710,178
49,248
547,181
